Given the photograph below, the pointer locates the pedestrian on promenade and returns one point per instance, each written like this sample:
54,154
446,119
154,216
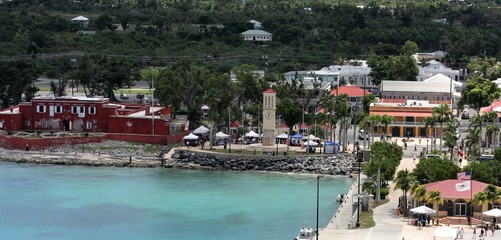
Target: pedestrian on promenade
460,161
493,229
461,233
414,158
481,236
474,234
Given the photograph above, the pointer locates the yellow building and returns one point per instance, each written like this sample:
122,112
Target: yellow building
409,116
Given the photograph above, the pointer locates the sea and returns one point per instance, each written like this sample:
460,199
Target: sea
75,202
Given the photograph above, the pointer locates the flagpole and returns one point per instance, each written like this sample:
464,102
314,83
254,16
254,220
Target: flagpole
471,192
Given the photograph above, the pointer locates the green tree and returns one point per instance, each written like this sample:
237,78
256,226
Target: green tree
435,197
492,132
182,84
386,156
434,170
290,112
385,121
479,92
418,191
443,114
431,122
404,181
489,67
367,100
149,75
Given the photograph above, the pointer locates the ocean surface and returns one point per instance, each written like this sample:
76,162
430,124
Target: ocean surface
73,202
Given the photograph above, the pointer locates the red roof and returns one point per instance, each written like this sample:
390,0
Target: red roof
447,188
235,124
402,114
492,107
351,91
283,125
270,91
304,126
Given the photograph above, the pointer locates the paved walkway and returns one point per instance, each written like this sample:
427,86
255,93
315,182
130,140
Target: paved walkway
389,226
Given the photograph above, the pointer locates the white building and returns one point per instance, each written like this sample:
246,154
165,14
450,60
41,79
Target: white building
433,68
82,20
437,89
257,36
337,74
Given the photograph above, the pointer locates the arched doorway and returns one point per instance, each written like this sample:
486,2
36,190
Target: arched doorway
67,125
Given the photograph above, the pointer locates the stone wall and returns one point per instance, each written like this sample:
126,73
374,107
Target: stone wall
339,164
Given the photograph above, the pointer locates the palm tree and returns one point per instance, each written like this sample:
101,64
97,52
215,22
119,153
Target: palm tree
492,193
490,116
328,103
385,121
472,142
431,122
443,114
435,197
419,192
492,131
372,120
404,181
479,199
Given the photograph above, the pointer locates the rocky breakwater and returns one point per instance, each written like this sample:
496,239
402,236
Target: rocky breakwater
339,164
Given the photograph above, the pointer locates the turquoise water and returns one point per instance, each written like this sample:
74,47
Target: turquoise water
72,202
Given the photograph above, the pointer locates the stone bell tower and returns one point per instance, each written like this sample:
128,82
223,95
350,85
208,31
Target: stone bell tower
269,114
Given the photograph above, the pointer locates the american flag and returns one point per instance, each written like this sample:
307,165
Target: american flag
464,175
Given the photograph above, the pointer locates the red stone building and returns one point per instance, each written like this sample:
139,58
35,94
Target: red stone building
82,114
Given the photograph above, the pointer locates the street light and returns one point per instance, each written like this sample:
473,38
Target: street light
318,193
205,110
360,159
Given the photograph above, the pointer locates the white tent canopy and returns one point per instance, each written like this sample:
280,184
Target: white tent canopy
80,18
190,136
201,130
445,232
495,212
311,137
252,134
283,136
310,143
422,210
221,135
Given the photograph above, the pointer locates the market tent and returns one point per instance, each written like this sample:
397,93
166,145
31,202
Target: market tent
201,130
310,143
311,137
445,232
221,135
190,136
422,210
297,135
283,136
252,134
495,212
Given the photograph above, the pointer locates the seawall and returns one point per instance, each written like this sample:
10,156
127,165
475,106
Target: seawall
339,164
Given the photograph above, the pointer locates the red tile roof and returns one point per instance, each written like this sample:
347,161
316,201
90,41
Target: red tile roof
270,91
235,124
283,125
493,106
447,188
402,114
351,91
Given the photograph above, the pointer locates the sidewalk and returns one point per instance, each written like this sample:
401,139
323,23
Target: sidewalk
388,226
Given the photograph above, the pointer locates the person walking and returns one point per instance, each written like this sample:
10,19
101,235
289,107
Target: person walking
474,234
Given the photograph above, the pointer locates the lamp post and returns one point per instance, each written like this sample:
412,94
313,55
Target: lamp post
427,149
229,129
360,159
318,194
205,110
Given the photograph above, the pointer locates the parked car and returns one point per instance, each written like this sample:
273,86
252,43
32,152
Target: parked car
486,157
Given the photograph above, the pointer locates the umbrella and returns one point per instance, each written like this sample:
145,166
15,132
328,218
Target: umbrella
423,210
446,232
221,135
283,136
201,130
493,212
190,136
297,135
252,134
310,143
